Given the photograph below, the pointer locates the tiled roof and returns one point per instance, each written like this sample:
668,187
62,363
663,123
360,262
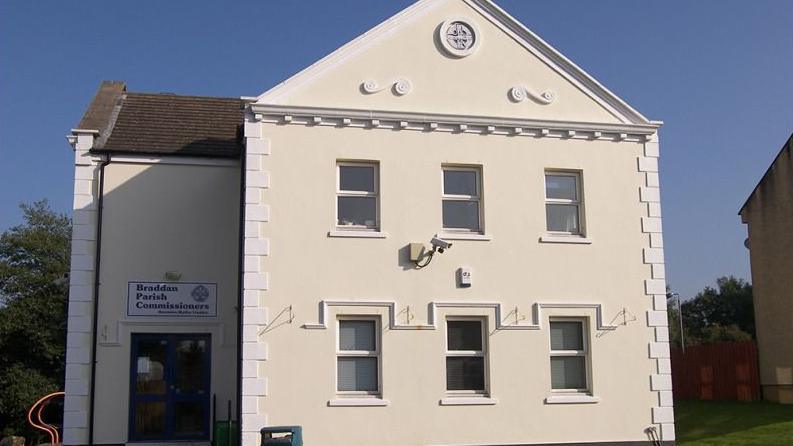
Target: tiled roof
160,124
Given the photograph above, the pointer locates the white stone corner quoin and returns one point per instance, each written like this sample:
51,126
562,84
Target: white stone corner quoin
256,280
81,292
649,194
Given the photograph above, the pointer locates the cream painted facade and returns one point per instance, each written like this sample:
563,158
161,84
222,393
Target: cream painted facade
396,98
172,215
768,213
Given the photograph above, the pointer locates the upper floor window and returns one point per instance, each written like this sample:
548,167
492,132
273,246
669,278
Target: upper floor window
465,356
569,355
563,202
357,192
358,357
462,199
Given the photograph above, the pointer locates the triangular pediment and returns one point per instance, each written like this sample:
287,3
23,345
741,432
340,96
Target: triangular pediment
404,65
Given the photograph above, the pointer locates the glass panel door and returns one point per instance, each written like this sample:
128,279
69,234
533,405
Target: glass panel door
191,381
169,396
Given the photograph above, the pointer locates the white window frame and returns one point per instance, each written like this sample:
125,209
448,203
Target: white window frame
453,197
585,353
468,353
359,354
356,193
579,203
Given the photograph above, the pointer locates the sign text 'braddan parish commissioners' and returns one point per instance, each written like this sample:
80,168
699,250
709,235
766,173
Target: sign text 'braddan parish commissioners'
172,299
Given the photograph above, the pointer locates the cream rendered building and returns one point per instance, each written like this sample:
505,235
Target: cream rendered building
544,322
768,213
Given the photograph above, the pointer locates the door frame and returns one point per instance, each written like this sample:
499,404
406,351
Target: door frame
169,375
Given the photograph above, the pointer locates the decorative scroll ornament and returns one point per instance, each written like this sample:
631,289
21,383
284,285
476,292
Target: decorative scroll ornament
400,87
519,93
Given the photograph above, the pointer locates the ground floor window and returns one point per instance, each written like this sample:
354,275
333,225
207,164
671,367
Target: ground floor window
465,356
569,355
170,387
358,357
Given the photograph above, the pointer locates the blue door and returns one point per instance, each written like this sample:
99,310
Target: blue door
169,387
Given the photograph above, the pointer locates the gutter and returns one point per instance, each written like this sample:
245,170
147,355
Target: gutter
240,292
97,265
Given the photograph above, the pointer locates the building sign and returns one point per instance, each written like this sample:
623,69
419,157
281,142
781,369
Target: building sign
172,299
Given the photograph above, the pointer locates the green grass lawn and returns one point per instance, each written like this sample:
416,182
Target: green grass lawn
701,423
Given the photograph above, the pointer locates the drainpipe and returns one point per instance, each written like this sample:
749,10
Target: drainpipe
94,330
240,292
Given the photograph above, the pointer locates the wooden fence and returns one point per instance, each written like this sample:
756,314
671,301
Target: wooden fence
722,371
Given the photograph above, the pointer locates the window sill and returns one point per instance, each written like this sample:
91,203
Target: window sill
572,399
572,239
468,401
358,402
464,236
358,234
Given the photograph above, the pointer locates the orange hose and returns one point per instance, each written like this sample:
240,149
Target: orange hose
50,430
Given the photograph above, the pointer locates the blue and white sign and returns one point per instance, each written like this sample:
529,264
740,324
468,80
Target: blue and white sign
172,299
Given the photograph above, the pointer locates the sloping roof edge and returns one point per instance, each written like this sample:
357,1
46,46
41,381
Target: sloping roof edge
787,146
533,43
99,114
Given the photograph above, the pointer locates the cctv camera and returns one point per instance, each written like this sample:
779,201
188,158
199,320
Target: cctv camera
440,244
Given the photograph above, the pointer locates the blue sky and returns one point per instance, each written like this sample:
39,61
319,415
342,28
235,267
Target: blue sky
717,72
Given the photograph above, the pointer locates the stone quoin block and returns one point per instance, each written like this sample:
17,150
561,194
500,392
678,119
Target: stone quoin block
255,350
659,350
251,229
249,404
254,386
253,161
260,212
656,319
653,179
658,271
651,224
76,386
253,422
662,333
663,415
83,217
250,333
252,264
647,164
257,247
655,286
653,255
250,298
656,240
250,369
255,316
652,149
257,179
649,194
255,281
664,366
653,209
661,382
253,130
253,195
668,432
665,399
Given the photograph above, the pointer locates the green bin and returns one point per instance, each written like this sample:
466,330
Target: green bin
222,435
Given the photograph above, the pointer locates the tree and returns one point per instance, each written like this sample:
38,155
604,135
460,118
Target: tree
34,287
724,313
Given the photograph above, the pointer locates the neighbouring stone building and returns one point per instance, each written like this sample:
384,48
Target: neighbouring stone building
768,214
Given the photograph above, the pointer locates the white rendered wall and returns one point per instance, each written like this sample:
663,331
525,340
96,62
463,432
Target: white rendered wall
616,279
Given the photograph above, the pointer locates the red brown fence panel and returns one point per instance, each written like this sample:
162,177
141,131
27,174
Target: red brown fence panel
722,371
